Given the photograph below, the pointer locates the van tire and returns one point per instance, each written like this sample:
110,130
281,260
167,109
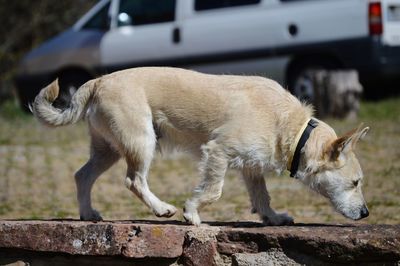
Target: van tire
300,82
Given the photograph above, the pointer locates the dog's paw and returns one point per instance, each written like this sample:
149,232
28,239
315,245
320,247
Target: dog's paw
279,219
192,217
92,216
165,210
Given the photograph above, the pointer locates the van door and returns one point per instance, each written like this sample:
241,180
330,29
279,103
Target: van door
232,36
391,27
224,27
142,34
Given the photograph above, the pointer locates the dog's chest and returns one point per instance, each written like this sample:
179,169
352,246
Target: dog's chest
254,158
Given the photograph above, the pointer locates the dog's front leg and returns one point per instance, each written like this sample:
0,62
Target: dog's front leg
214,165
260,200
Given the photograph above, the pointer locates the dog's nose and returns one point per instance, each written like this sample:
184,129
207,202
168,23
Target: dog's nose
364,212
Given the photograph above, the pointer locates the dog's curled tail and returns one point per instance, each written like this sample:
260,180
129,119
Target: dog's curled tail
49,115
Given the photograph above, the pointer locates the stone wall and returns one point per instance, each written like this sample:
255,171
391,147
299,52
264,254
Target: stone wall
69,242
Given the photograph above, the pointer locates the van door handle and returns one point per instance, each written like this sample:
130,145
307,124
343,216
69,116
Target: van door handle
293,29
176,35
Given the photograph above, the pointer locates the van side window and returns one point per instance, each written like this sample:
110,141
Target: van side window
140,12
100,21
200,5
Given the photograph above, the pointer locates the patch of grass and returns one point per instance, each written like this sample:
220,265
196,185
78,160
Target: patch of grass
10,110
5,208
61,214
388,109
4,141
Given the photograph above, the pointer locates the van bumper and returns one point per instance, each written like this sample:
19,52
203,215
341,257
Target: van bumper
376,62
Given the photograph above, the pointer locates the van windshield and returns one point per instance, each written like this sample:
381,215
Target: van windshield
100,21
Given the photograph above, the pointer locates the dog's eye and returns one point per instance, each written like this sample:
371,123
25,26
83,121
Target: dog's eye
355,183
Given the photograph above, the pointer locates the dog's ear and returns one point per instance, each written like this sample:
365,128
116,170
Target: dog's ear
338,146
358,135
345,143
361,133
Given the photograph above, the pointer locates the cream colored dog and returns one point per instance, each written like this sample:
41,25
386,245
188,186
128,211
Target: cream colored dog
243,122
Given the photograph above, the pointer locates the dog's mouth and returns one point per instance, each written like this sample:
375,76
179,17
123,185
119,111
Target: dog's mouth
354,218
363,213
350,216
353,212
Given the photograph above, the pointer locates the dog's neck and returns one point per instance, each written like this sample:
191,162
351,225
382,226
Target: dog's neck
298,144
294,126
294,144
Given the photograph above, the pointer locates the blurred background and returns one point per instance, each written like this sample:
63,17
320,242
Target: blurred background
25,25
343,56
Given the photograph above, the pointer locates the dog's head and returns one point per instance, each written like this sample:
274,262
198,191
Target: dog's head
331,168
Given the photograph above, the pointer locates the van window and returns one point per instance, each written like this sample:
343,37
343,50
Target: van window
214,4
100,21
140,12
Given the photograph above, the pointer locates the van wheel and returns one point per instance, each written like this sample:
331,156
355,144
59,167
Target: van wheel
302,86
300,81
69,83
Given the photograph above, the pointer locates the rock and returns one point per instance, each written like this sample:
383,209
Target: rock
327,243
200,247
88,238
156,241
165,243
272,257
17,263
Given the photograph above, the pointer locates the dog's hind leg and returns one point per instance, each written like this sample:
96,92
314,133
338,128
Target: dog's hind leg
214,165
139,154
260,200
102,157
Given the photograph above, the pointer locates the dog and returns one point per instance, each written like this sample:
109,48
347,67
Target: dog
247,123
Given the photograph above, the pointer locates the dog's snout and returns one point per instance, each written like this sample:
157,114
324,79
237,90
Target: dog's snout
364,212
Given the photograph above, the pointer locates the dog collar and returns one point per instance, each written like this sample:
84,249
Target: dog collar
301,141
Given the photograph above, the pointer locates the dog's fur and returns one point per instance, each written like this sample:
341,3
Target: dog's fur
244,122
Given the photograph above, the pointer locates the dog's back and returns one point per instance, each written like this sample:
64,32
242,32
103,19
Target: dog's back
200,102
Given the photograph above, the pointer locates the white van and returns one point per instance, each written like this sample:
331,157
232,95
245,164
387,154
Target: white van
280,39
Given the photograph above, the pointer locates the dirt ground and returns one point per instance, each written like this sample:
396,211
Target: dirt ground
37,166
